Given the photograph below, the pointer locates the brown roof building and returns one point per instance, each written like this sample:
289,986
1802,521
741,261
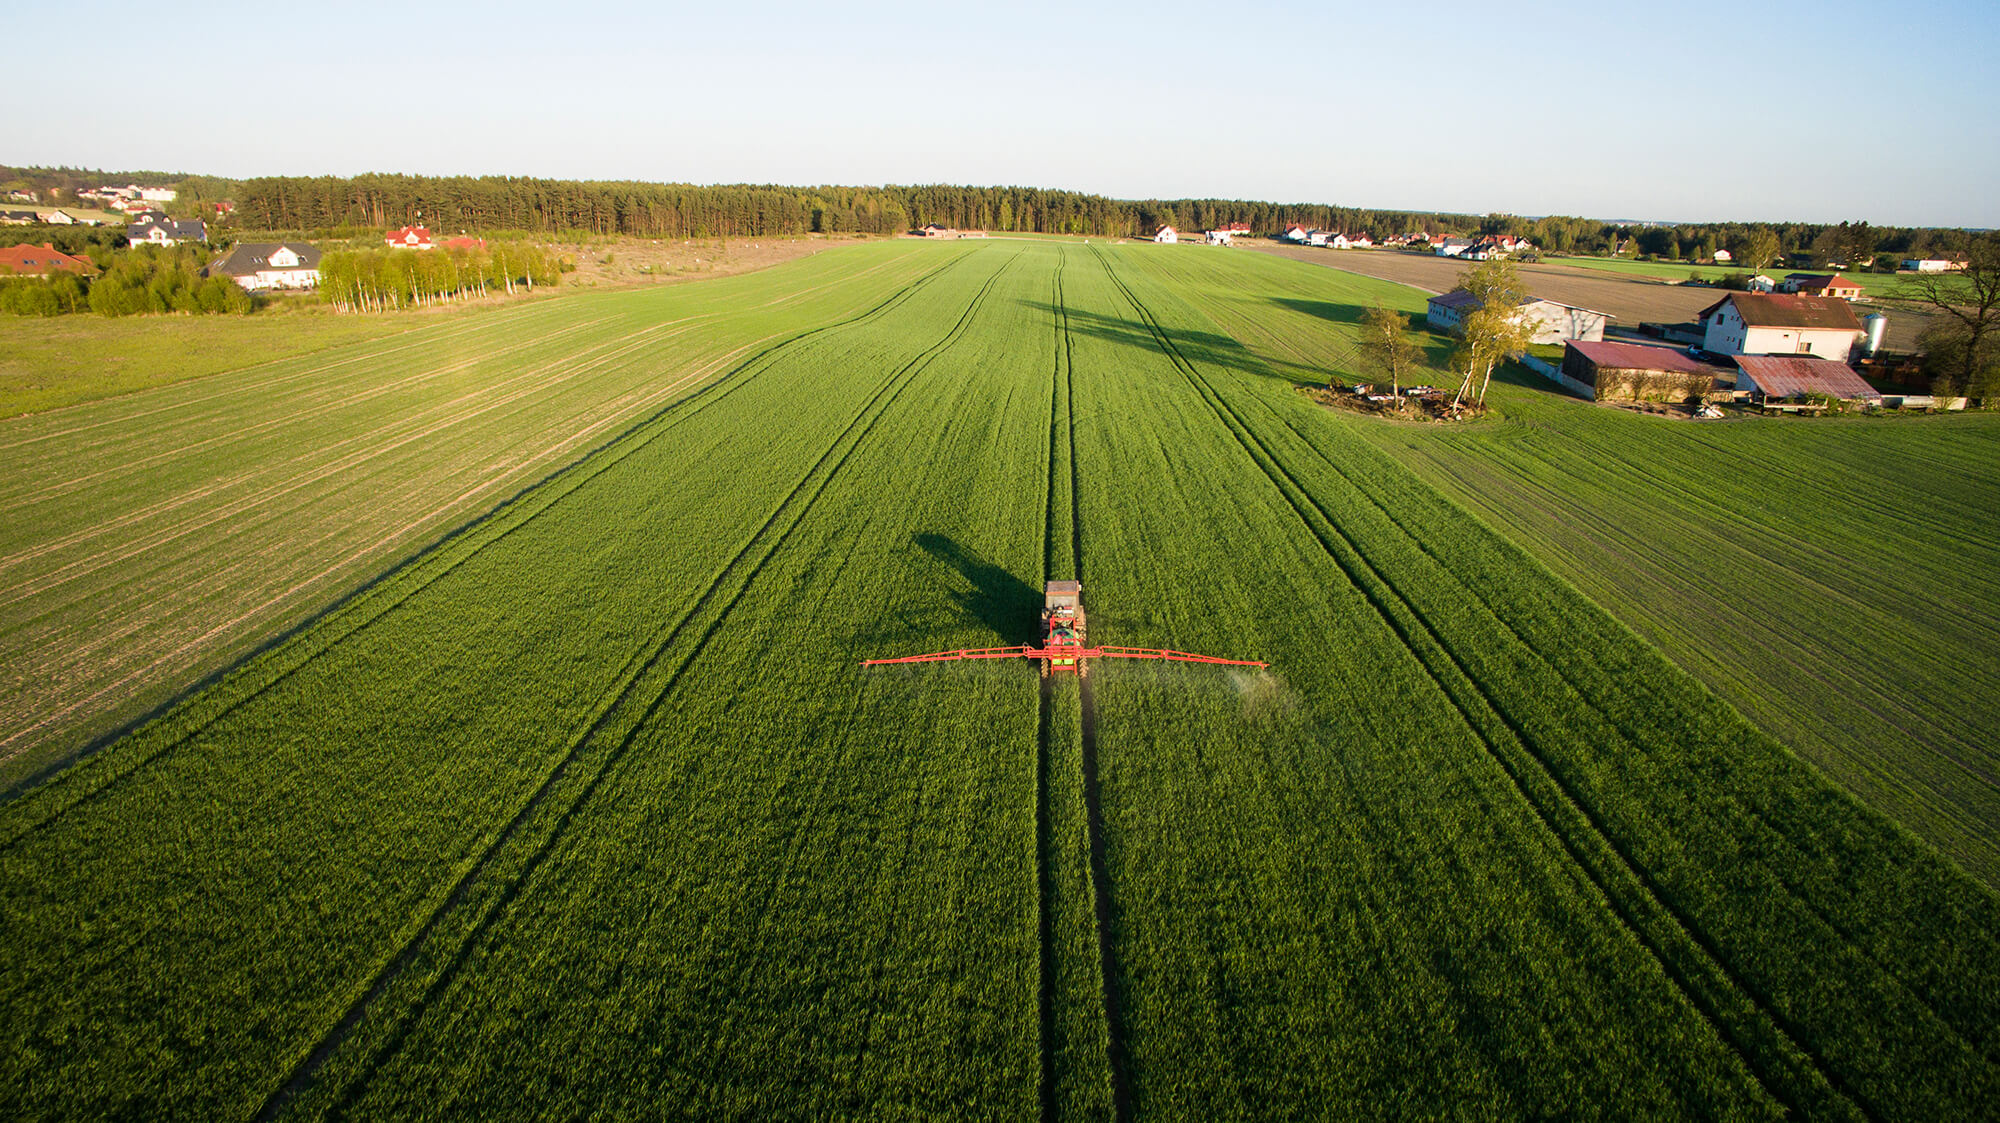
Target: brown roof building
1794,376
1748,323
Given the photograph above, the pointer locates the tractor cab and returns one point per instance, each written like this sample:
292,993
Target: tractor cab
1062,620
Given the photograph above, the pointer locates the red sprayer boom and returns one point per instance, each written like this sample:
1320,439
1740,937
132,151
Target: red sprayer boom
1063,648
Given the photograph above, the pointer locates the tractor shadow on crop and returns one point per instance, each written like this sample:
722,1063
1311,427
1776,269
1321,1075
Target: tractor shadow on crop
1202,348
995,597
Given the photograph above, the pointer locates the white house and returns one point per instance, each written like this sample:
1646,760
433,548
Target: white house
1773,324
1932,264
1819,284
1316,237
1452,247
166,232
1552,322
1724,257
1761,283
158,194
1218,237
1166,236
270,265
1296,233
1358,242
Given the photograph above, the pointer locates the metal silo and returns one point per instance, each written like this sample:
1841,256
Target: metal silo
1873,327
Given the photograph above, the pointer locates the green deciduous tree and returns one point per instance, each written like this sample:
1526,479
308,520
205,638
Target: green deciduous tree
1494,329
1386,340
1964,343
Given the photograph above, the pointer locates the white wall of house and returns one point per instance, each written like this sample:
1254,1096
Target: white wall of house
1166,236
1725,333
1554,322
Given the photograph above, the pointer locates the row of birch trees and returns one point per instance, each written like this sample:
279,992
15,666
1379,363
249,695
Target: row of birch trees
385,280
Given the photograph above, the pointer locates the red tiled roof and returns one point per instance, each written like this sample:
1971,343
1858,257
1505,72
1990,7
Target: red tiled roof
1773,310
1789,376
40,259
1638,356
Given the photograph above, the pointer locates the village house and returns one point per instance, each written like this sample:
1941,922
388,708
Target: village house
1552,322
1638,372
1776,324
158,194
470,245
409,238
1761,283
1933,264
56,218
1218,237
1235,229
1166,236
1724,257
269,265
1316,237
18,218
25,260
1296,233
933,230
1772,378
1450,247
24,197
165,231
1819,284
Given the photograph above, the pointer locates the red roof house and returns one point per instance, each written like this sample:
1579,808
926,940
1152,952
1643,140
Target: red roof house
464,243
410,238
41,260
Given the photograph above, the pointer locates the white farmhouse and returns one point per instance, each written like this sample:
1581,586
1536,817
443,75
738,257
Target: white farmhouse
1296,233
1772,324
1932,264
158,194
1551,321
1218,237
163,231
1761,283
1452,247
270,265
1166,236
1724,257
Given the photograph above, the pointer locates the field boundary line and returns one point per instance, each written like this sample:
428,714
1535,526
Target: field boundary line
1613,866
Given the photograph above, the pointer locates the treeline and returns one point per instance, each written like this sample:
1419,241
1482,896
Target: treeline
146,280
656,210
388,279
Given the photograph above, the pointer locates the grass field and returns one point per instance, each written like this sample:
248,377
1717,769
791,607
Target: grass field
1835,580
588,808
1880,285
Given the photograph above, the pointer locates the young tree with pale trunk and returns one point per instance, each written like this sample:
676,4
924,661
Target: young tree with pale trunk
1494,329
1385,337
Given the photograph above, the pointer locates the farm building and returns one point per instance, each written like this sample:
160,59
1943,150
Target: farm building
1296,233
1218,237
1451,247
1791,377
1637,372
269,265
1933,264
1316,237
1757,324
471,245
18,218
409,238
1724,257
1235,230
166,232
1166,236
1761,283
1553,322
41,261
1819,284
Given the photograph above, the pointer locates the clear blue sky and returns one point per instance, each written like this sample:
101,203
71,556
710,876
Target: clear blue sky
1740,110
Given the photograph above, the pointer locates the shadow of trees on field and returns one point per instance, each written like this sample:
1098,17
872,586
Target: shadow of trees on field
994,597
1324,309
1202,348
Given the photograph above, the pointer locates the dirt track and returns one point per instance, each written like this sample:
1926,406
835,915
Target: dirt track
1628,299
